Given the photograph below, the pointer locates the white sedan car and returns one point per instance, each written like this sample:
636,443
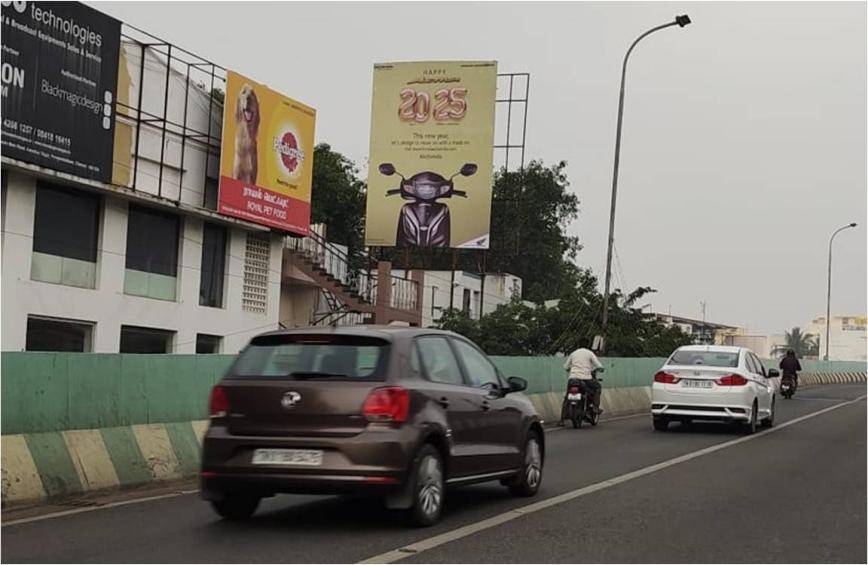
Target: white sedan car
713,382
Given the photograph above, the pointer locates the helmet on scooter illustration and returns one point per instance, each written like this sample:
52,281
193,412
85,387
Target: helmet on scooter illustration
426,186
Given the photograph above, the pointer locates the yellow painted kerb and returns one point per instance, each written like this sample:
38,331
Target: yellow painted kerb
91,459
20,478
157,450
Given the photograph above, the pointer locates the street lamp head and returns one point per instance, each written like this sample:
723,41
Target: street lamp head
853,225
682,20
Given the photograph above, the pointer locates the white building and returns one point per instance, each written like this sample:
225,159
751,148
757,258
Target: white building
765,346
143,264
847,337
465,291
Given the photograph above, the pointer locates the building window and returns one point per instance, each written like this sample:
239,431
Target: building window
65,236
208,343
145,340
466,300
53,334
213,266
256,263
152,253
211,191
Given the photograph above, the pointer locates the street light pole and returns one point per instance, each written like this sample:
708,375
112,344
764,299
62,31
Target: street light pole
680,21
829,286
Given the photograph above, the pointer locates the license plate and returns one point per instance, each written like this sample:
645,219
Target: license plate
693,383
574,396
306,457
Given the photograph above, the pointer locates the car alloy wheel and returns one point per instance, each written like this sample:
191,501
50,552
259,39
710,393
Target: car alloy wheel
533,463
750,428
431,486
428,487
529,478
770,421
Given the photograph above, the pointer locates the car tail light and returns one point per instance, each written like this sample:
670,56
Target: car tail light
732,380
388,404
574,389
664,377
218,403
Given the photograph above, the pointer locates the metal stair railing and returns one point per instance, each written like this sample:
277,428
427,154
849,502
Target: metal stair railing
335,263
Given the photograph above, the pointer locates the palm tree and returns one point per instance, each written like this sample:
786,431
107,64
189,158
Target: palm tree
801,343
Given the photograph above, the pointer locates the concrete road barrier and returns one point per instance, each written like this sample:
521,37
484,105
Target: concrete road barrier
56,464
61,464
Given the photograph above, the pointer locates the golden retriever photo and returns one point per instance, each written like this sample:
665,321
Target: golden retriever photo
247,127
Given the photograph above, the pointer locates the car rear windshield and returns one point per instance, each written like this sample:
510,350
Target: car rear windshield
709,358
313,357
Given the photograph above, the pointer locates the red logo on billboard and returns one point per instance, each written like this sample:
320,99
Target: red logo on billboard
290,154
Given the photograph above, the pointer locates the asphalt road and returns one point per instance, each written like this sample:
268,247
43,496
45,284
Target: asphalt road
616,493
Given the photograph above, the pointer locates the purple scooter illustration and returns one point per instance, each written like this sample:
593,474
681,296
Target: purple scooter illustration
424,222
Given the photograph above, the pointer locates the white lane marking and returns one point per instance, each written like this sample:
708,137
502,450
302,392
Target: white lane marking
435,541
96,507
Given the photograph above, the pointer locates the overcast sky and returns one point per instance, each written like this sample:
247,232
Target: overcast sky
744,143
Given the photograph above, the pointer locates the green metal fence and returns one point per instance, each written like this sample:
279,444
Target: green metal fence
44,392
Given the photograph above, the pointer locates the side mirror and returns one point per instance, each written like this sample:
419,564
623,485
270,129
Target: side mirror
468,169
774,373
516,384
387,169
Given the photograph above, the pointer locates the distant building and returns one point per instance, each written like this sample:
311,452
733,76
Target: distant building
765,346
466,291
702,332
847,337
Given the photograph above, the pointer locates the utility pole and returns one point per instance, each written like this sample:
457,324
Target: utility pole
829,287
679,21
702,305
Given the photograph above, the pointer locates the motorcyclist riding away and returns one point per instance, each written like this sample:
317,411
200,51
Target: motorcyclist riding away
580,364
790,366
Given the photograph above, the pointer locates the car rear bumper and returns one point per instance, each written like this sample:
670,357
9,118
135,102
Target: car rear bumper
377,459
728,406
216,485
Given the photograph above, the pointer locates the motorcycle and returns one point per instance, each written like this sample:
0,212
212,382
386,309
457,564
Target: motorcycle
425,222
788,386
581,401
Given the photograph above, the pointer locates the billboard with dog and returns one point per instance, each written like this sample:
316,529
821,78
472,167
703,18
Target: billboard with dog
431,157
266,160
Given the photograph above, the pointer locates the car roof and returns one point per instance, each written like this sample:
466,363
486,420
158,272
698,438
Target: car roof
714,348
381,331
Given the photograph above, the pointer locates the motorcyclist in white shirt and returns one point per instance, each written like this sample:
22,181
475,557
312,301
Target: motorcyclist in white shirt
581,364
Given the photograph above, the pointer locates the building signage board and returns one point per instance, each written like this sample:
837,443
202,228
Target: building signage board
431,156
60,74
266,162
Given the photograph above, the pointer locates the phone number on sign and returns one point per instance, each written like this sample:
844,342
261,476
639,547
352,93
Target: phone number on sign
39,133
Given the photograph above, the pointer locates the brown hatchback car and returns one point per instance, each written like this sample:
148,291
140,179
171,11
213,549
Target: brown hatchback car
398,411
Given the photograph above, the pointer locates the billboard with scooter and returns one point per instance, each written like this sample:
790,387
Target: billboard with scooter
431,158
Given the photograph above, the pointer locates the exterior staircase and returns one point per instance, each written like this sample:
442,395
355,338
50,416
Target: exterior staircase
353,294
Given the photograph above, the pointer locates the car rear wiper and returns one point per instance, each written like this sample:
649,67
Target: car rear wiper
316,375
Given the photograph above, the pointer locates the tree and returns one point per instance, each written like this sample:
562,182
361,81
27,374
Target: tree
804,345
338,198
517,328
530,212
